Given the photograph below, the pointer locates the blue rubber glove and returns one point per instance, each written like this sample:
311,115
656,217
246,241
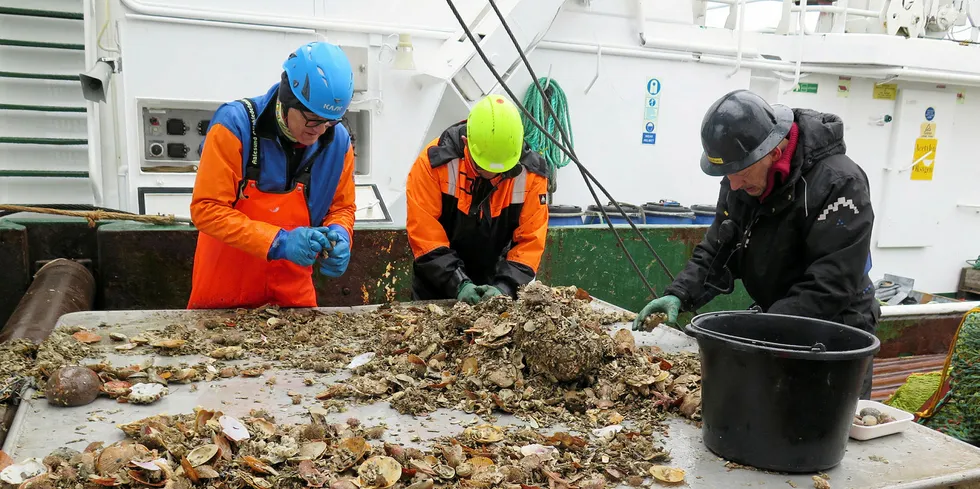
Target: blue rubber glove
667,304
300,246
338,251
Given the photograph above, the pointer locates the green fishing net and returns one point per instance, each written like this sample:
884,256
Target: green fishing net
958,414
915,391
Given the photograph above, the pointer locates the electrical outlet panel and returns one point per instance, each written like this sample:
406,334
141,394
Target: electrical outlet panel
173,135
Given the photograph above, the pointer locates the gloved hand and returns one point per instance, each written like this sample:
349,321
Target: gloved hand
300,246
468,293
338,251
668,304
488,291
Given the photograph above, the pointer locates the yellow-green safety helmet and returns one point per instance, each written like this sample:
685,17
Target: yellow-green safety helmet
495,134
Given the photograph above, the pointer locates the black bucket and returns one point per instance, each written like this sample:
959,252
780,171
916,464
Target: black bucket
779,392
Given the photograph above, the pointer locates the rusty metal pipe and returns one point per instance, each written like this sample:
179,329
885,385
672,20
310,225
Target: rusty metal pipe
60,287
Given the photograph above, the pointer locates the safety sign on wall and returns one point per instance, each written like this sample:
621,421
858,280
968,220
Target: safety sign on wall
843,86
924,158
806,88
885,91
651,111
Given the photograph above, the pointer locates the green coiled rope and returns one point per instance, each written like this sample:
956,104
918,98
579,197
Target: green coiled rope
536,139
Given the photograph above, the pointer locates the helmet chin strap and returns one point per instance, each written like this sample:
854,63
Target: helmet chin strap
280,118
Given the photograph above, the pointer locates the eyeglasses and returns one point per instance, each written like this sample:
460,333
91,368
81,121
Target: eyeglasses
314,121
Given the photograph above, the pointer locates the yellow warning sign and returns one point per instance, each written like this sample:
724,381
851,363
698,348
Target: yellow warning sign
927,130
885,91
924,158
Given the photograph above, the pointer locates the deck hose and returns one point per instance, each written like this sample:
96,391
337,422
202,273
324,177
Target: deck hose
536,139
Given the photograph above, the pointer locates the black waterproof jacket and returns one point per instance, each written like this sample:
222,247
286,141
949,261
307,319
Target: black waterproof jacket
805,250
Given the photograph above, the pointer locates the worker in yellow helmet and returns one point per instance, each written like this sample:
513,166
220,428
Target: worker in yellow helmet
477,208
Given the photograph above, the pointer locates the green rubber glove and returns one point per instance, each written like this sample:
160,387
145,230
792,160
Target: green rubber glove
468,293
488,291
668,304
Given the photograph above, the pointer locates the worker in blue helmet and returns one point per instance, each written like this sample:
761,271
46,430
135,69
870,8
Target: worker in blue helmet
274,193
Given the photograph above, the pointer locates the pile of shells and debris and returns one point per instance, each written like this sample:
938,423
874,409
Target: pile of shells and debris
545,358
212,450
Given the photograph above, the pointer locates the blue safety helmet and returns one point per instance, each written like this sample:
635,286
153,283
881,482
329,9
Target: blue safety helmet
320,77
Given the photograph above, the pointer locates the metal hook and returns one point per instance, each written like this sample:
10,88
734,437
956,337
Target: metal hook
598,61
547,82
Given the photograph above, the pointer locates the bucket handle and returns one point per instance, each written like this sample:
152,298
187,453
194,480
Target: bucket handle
816,348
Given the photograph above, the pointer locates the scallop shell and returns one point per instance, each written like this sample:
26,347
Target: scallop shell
184,375
104,481
379,472
252,481
667,474
202,454
268,429
423,467
259,466
445,471
310,451
538,449
227,353
146,393
115,457
480,464
310,474
233,429
20,473
207,472
167,343
470,366
189,470
87,337
201,418
422,484
484,433
360,360
464,469
351,450
454,455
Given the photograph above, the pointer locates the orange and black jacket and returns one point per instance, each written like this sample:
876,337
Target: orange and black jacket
464,227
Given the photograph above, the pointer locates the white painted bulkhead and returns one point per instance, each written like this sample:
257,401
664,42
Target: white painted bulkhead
193,50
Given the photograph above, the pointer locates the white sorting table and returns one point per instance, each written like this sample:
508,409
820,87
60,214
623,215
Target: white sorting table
916,458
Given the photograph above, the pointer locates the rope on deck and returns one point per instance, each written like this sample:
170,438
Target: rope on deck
97,215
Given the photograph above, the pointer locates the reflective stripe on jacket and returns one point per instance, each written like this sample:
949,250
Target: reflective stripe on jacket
464,227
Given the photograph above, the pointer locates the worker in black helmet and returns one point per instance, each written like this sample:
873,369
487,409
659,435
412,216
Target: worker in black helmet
793,218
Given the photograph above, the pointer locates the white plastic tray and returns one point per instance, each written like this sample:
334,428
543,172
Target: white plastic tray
902,421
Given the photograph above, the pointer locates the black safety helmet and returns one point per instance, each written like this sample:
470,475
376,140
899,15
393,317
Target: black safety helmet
740,129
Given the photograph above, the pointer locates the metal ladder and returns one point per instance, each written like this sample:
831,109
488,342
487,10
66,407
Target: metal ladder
43,134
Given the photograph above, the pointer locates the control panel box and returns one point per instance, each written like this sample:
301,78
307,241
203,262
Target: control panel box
172,135
358,124
358,57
